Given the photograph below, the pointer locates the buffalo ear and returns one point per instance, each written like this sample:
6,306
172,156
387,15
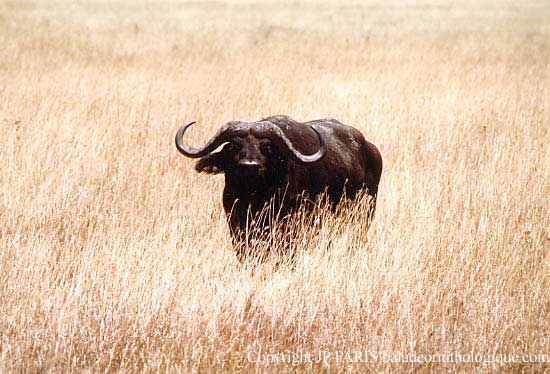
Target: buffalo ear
214,163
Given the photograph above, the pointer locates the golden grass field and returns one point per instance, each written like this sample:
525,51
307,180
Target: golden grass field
115,255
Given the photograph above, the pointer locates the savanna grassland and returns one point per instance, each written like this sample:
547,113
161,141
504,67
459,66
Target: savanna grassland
115,254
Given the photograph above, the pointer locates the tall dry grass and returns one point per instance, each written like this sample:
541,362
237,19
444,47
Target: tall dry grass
115,255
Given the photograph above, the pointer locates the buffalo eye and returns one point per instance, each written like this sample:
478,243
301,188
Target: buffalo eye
232,146
265,148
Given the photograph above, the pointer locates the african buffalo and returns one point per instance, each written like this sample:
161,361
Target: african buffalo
279,161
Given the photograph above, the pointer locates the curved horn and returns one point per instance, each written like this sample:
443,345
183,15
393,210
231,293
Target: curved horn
297,155
221,136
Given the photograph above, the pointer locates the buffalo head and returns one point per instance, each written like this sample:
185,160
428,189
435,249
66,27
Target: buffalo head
250,149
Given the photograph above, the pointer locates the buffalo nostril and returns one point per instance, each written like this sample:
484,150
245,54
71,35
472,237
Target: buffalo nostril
250,167
250,163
